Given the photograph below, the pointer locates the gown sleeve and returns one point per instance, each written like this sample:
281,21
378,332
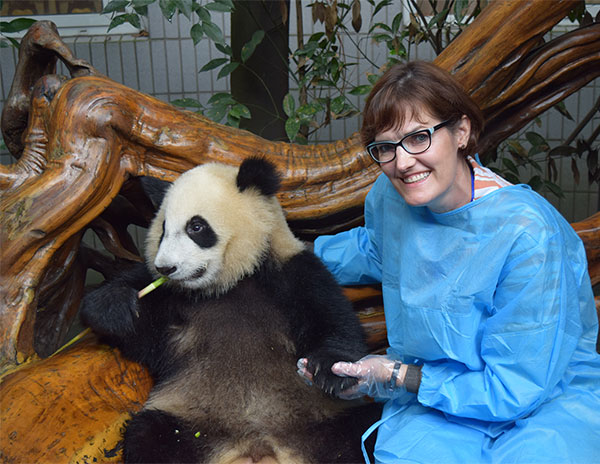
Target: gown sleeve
529,339
352,256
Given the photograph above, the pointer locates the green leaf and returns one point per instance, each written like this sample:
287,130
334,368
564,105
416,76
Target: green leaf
438,19
5,44
459,8
134,20
218,6
168,8
197,33
229,3
536,183
224,48
562,109
563,150
240,111
117,21
212,64
185,6
306,113
130,18
16,25
186,103
377,38
141,10
338,104
115,5
316,37
140,3
397,23
14,42
202,12
233,121
535,139
381,5
383,26
509,176
217,113
289,105
508,163
555,189
516,148
250,46
222,98
372,78
213,32
292,126
361,90
227,70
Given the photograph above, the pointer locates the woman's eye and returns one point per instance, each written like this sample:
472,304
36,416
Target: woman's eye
418,139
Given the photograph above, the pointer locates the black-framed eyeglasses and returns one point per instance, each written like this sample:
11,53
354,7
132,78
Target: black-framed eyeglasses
414,143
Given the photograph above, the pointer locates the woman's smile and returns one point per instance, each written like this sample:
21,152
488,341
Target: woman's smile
416,177
439,177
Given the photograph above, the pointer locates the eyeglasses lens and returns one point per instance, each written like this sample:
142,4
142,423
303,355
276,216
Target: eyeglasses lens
414,144
383,152
417,143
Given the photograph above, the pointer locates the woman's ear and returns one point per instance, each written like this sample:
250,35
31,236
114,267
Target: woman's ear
462,131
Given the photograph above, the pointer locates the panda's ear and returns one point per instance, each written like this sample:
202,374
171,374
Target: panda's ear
155,189
259,173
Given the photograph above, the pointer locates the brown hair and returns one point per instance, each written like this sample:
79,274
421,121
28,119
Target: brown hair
408,89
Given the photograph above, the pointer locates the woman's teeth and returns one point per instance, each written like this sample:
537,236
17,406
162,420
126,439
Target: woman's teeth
416,178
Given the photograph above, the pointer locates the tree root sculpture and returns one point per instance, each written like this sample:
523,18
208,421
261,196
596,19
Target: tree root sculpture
82,142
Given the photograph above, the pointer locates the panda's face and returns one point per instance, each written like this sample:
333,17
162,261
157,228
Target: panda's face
208,233
188,252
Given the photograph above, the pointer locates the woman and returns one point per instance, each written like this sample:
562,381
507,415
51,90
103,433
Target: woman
489,308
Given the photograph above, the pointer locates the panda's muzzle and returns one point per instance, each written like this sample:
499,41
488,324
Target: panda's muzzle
198,273
166,270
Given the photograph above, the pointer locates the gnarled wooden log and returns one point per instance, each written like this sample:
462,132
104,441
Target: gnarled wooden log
87,136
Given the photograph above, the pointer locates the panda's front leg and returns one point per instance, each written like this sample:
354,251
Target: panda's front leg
111,310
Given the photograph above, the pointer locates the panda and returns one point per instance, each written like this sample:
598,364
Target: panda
244,300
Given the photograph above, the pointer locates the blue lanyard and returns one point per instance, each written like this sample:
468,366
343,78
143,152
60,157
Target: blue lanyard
370,430
472,182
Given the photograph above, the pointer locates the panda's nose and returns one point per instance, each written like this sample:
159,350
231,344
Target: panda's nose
165,270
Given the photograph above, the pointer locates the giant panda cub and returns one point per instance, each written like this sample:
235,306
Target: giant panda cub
244,301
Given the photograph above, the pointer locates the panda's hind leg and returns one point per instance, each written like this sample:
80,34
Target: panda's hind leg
154,436
339,439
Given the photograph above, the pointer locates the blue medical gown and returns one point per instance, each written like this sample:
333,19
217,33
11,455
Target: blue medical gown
494,300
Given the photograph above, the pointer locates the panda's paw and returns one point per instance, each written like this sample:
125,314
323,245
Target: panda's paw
110,309
322,377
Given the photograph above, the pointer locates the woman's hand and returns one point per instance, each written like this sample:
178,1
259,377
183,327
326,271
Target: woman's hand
378,376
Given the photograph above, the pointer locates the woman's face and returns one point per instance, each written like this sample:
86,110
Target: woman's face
438,178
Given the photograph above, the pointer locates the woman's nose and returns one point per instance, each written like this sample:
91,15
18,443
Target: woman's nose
403,160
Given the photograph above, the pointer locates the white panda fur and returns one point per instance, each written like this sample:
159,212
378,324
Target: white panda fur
255,224
222,346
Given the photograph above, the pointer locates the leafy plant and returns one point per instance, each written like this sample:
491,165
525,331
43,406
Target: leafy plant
12,27
220,106
513,159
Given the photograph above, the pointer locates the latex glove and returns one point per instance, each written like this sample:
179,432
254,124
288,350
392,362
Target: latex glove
378,376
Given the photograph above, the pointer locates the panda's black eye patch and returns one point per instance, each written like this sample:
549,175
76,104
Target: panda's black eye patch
201,232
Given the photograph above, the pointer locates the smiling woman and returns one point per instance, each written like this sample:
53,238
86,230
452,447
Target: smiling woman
489,309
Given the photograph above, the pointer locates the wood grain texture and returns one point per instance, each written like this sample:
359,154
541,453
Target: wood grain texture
79,144
70,407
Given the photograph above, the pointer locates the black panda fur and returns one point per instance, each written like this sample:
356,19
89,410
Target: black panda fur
223,350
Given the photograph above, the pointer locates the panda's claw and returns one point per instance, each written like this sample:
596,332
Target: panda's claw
326,380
